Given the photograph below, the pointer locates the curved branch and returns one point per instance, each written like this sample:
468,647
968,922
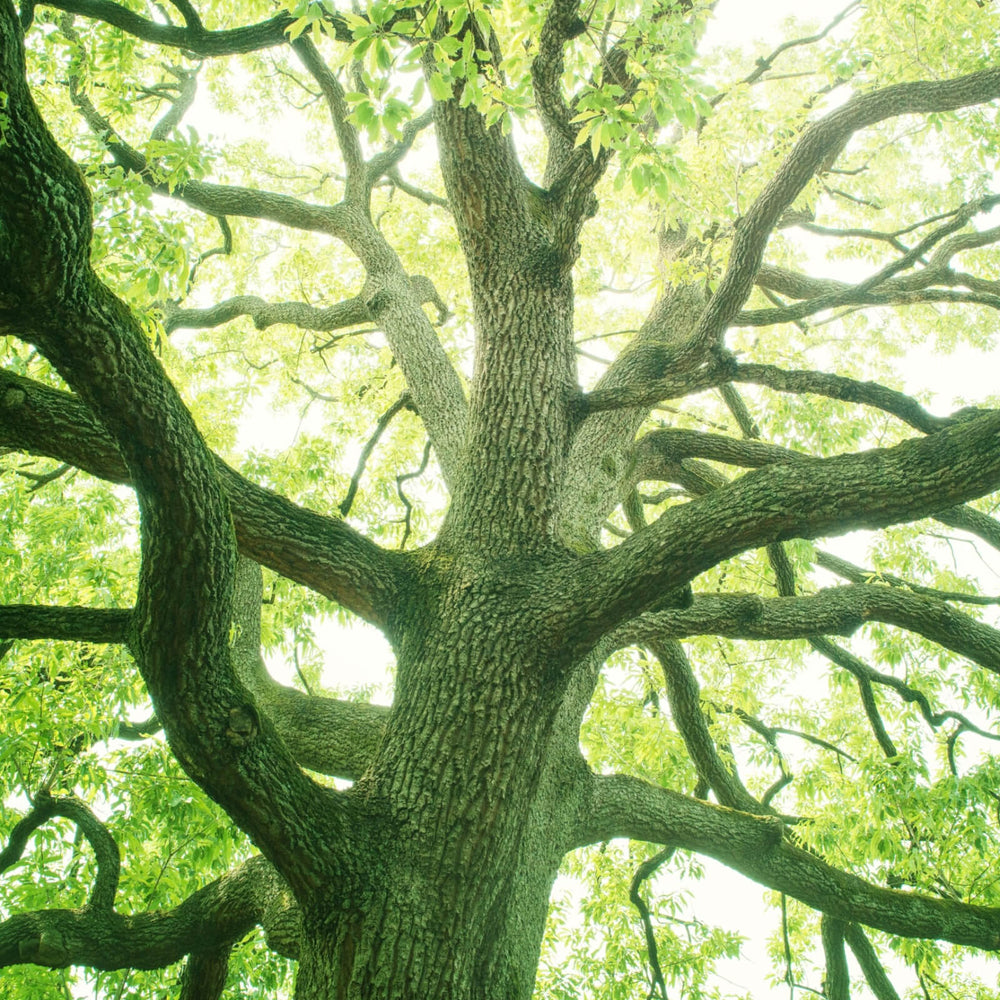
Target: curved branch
770,734
849,390
211,918
323,734
350,145
799,499
386,163
867,676
833,611
621,806
50,297
973,521
350,312
402,403
192,38
326,735
684,696
671,445
857,574
44,807
321,553
884,287
765,63
662,381
561,24
819,142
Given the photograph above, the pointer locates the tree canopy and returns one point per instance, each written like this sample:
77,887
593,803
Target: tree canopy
598,366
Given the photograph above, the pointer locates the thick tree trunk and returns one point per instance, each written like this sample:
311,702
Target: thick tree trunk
450,875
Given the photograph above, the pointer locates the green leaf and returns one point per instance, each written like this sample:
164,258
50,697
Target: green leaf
440,88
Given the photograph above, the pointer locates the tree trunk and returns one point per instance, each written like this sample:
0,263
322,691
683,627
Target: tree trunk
455,853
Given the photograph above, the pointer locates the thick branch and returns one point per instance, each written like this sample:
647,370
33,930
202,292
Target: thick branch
321,553
870,965
213,917
183,607
835,611
664,381
326,735
32,621
192,38
800,499
561,24
754,846
599,466
204,976
837,984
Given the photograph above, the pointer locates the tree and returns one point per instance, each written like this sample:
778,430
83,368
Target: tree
573,528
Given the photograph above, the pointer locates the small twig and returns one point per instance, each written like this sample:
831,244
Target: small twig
646,870
787,946
402,403
38,480
404,498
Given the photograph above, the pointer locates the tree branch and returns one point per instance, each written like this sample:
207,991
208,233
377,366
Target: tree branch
402,403
32,621
798,499
621,806
326,735
561,24
213,917
671,445
973,521
192,38
321,553
870,964
834,611
350,312
821,140
50,297
857,574
204,975
837,983
357,190
44,807
849,390
685,708
883,288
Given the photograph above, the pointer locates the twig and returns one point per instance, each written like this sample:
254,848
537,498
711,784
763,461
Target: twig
646,870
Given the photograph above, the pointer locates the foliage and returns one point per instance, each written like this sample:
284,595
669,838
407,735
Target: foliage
679,138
